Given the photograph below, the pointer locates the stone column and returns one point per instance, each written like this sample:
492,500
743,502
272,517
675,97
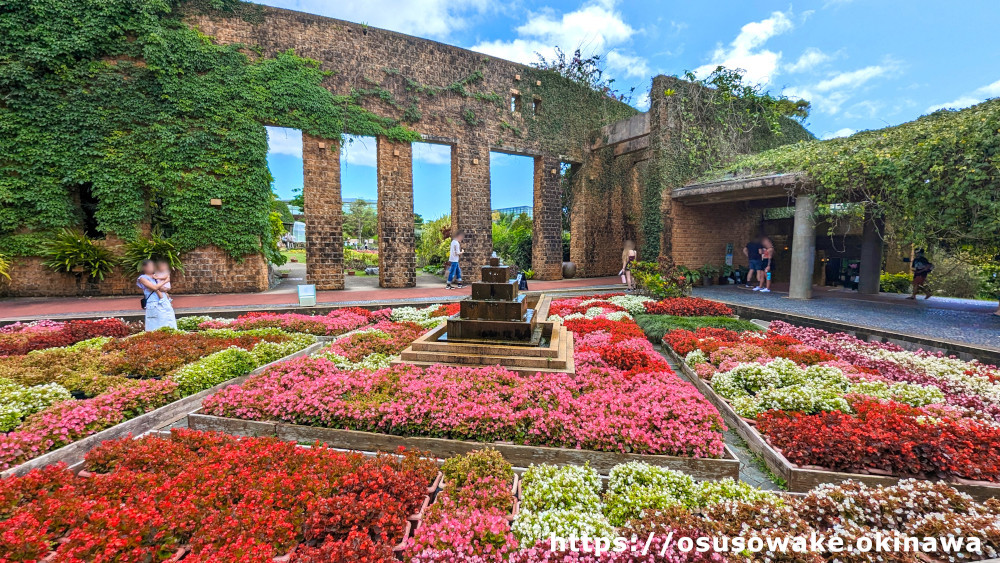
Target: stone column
871,255
324,212
546,243
397,260
470,205
803,248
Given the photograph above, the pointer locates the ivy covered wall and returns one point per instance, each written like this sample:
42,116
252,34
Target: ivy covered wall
120,104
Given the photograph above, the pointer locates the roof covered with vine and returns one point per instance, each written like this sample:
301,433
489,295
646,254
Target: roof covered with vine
937,179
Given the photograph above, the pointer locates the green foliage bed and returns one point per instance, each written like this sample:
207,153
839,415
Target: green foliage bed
655,326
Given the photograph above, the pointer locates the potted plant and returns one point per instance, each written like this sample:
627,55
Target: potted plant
692,276
708,274
72,252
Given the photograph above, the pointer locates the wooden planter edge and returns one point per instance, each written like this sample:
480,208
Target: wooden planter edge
72,454
518,455
799,480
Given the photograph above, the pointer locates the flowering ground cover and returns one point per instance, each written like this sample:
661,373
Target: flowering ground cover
468,521
624,397
211,497
338,321
56,396
21,338
834,402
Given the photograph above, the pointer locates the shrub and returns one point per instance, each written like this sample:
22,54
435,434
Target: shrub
71,250
153,247
894,283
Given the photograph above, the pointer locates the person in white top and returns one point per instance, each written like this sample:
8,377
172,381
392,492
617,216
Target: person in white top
454,271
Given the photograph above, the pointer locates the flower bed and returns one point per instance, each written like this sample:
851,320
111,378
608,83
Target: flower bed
688,307
115,380
623,398
21,338
338,321
211,497
638,500
831,402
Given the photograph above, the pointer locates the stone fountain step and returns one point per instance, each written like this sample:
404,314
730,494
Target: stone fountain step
432,342
566,358
479,309
488,355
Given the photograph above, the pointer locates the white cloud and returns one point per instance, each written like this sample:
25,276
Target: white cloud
631,66
642,102
596,28
359,151
833,92
746,51
808,60
854,78
430,153
845,132
425,18
978,95
281,140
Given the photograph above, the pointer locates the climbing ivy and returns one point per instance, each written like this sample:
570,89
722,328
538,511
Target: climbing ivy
934,180
710,121
123,102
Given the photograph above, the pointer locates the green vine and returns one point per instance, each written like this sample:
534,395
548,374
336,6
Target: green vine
934,180
119,100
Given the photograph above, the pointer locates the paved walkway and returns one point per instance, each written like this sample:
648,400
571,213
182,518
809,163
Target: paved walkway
960,320
48,308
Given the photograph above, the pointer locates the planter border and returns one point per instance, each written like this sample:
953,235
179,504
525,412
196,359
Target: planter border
517,455
73,453
799,480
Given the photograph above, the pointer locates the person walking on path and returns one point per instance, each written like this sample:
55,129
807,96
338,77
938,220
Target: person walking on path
159,312
921,267
629,255
767,265
752,252
455,251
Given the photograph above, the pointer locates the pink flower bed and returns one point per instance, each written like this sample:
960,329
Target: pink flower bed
69,421
624,397
336,322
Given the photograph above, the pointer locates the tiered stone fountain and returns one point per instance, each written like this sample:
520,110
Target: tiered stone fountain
498,325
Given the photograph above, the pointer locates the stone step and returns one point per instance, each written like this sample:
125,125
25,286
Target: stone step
431,344
563,363
485,359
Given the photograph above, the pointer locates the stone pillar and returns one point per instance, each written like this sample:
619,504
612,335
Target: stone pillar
546,243
803,248
871,255
470,206
324,212
397,260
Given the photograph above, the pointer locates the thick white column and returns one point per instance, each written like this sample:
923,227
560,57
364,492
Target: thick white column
803,248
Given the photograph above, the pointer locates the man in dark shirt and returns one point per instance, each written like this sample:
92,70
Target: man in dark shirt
752,252
921,267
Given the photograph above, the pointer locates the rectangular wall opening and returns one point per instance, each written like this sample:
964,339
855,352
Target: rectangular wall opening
431,209
284,160
359,194
512,197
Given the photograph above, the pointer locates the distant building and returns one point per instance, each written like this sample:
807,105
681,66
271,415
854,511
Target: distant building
526,209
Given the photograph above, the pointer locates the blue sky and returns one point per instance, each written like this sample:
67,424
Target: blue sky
863,64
